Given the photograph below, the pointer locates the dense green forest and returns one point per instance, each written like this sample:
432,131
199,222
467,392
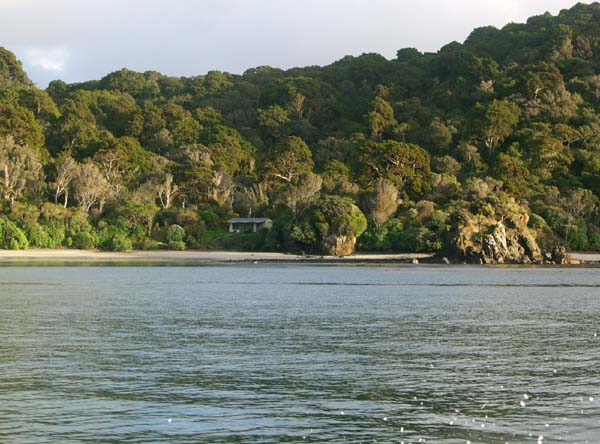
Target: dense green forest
490,148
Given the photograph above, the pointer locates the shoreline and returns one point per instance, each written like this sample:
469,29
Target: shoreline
191,257
70,256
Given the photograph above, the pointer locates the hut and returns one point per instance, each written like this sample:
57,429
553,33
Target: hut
248,224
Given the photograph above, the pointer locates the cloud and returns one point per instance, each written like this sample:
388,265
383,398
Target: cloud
53,60
77,40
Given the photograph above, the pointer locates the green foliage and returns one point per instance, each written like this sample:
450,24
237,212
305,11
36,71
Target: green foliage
210,219
11,236
175,233
510,114
175,236
114,237
21,124
495,122
11,70
289,160
576,236
80,233
342,216
405,165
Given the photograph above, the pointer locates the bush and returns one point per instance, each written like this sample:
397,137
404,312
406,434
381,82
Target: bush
115,238
374,239
576,235
53,218
145,243
37,235
11,236
210,219
80,233
175,233
176,245
119,242
594,237
83,241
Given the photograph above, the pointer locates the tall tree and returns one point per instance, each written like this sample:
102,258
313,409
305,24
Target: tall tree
289,160
20,169
66,171
496,122
407,166
383,201
90,186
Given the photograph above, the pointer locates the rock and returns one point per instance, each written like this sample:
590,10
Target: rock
339,245
559,255
415,261
491,239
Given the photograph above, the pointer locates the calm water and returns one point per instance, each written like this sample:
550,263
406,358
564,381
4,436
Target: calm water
256,354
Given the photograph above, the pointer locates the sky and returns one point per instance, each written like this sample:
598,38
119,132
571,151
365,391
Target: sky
78,40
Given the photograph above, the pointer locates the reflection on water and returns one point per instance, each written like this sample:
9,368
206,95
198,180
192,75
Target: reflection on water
258,354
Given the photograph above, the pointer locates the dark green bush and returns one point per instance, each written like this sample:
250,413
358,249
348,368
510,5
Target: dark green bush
175,235
80,233
11,236
114,238
210,219
176,245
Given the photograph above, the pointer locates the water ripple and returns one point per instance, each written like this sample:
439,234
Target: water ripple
299,354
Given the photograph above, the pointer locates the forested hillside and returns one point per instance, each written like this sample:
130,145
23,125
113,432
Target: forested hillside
489,148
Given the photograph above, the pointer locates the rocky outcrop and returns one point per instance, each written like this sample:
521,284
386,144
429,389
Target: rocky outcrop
559,255
339,245
493,239
340,223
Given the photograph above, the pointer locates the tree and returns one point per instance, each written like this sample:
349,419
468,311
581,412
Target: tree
66,171
496,122
407,166
221,189
437,137
20,123
20,169
40,104
580,203
289,160
11,70
274,119
300,196
76,129
381,119
90,186
341,224
383,201
142,205
166,191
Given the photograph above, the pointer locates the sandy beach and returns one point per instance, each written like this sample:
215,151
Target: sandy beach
67,256
83,256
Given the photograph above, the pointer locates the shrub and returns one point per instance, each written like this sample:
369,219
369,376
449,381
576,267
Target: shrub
210,219
145,243
80,233
176,245
11,236
576,236
175,233
37,235
115,238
